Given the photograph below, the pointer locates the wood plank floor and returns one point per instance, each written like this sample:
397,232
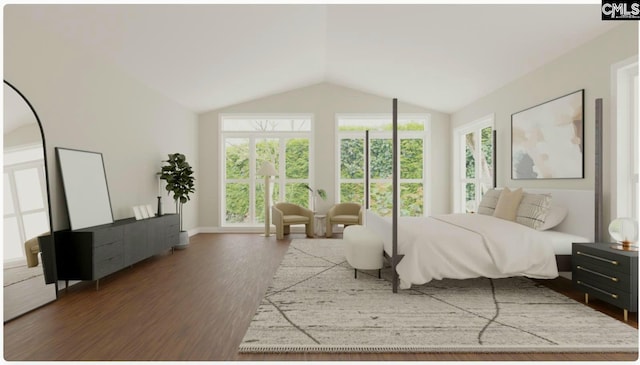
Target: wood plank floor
196,304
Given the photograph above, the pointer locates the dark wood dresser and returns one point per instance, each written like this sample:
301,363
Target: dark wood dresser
607,274
95,252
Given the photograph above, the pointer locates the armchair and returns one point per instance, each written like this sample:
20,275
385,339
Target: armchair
286,214
343,213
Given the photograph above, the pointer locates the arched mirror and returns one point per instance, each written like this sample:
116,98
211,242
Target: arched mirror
27,216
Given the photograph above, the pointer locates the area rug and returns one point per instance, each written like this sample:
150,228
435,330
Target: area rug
315,304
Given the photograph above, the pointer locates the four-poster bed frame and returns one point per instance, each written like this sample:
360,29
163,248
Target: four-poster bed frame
395,258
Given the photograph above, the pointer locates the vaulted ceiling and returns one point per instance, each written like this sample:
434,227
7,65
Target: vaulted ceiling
207,57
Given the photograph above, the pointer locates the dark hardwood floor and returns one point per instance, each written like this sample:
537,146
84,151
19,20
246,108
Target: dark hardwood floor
196,304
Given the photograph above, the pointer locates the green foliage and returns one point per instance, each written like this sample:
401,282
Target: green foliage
179,177
352,159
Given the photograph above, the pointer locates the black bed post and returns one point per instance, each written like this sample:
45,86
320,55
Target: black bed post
598,182
493,158
366,169
396,193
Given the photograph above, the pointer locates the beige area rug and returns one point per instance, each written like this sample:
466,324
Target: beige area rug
314,304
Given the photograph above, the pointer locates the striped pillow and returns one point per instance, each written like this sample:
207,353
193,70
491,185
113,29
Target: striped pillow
489,201
533,209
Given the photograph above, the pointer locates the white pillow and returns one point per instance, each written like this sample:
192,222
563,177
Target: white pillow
488,203
533,210
555,216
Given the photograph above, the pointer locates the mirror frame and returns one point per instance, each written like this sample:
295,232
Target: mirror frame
51,255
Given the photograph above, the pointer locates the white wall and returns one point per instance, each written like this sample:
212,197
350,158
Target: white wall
586,67
87,103
324,101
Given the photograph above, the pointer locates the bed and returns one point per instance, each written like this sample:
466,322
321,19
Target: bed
462,246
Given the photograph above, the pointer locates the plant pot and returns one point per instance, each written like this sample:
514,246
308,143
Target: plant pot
184,241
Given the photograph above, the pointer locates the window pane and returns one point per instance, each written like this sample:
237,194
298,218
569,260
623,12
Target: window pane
35,224
470,194
266,125
352,193
411,200
268,149
470,160
381,159
12,243
411,158
487,153
297,158
237,158
352,158
237,201
29,189
8,199
297,194
381,198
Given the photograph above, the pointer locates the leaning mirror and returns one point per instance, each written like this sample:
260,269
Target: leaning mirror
26,208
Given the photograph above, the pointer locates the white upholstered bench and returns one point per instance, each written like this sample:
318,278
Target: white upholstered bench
363,249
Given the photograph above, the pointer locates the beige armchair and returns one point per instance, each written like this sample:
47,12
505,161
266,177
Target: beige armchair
284,215
343,213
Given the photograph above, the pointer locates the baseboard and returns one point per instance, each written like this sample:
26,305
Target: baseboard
197,230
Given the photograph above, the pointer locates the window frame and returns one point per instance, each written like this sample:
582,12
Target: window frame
624,112
459,162
424,135
254,180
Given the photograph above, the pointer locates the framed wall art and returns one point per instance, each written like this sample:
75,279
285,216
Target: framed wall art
547,140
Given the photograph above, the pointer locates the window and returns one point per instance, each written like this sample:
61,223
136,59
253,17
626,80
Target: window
626,163
473,163
248,141
412,135
26,213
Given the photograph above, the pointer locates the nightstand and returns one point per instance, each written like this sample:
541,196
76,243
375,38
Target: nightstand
607,274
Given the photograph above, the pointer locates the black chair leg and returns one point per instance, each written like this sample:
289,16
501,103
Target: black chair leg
355,273
379,277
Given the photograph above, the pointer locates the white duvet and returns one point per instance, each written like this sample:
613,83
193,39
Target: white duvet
463,246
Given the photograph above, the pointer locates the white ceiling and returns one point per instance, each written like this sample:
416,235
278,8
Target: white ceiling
436,56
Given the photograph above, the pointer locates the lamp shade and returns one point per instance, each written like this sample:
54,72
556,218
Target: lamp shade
624,230
267,169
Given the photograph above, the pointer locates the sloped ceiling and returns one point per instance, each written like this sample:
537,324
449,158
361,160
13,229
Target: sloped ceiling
207,57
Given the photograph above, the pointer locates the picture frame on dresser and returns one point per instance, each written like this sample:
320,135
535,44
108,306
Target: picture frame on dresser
84,183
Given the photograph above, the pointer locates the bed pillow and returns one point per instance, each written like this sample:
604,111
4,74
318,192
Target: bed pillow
488,203
533,209
555,216
508,204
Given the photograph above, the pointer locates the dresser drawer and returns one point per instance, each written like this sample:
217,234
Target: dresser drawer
107,235
607,261
108,250
611,281
618,298
108,266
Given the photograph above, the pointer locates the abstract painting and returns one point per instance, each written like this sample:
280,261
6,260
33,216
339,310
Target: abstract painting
547,140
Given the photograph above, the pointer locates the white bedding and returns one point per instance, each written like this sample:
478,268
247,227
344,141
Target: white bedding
561,242
462,246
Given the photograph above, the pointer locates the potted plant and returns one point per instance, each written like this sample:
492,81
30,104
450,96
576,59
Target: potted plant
180,181
315,194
